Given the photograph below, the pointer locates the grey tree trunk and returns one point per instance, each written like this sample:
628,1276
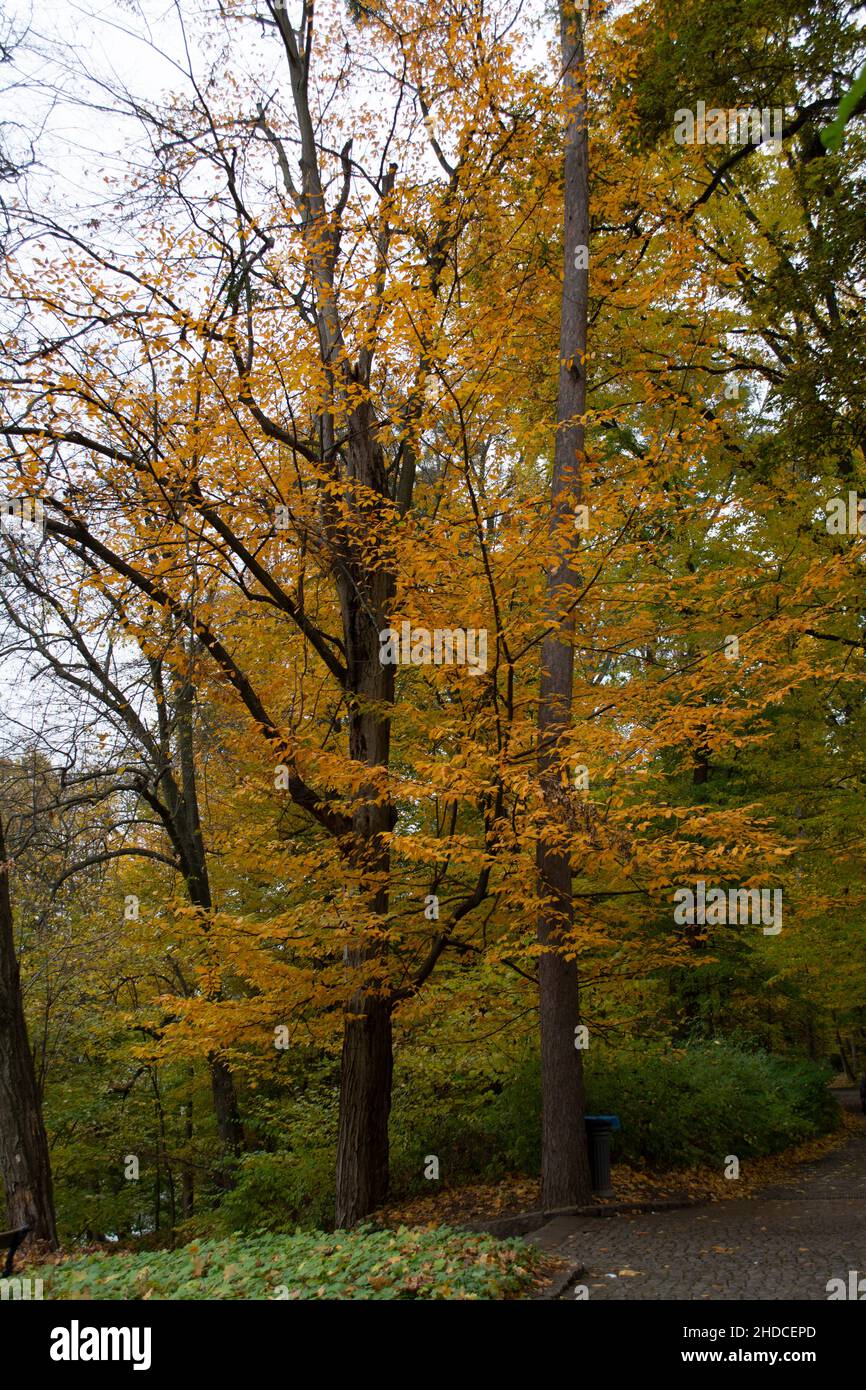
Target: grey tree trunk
565,1178
188,835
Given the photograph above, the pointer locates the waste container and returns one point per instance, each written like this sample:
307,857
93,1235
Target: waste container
599,1129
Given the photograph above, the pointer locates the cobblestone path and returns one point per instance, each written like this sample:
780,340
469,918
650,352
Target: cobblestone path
783,1243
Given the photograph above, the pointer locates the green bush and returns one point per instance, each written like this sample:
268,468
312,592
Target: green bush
459,1138
436,1263
280,1191
679,1106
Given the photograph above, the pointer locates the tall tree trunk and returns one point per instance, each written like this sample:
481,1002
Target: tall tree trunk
163,1159
228,1120
187,1198
855,1062
367,1058
848,1073
565,1178
191,840
24,1162
365,1106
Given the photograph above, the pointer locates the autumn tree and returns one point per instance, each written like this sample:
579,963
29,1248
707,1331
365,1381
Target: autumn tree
146,750
341,420
273,423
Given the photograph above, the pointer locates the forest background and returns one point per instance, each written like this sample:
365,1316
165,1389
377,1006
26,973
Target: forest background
282,368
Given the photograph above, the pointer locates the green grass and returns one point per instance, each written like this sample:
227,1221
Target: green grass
437,1263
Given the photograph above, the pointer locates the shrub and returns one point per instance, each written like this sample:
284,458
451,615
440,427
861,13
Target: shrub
278,1192
679,1106
436,1263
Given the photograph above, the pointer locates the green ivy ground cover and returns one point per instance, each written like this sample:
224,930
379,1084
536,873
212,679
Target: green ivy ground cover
408,1263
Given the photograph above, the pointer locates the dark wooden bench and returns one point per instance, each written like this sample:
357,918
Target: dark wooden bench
10,1240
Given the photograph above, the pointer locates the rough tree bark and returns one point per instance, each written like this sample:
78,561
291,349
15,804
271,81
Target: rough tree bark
367,1057
565,1178
24,1162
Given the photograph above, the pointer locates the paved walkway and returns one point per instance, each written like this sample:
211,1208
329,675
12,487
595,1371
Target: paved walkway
785,1242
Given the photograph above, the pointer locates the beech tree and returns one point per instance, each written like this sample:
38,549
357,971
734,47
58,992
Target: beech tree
356,428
